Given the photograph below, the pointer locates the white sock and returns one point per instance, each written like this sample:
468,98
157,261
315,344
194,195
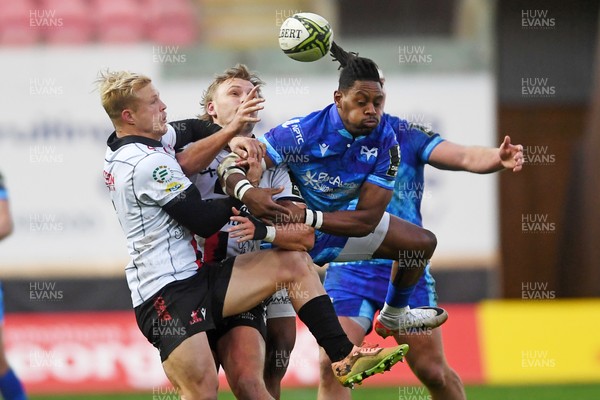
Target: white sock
389,315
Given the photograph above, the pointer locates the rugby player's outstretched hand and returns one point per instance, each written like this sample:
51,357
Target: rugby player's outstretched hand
260,203
511,155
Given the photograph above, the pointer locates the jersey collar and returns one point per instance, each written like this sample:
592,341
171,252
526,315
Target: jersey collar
338,125
115,142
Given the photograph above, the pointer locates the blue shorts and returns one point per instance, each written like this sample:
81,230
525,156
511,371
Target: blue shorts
348,303
327,247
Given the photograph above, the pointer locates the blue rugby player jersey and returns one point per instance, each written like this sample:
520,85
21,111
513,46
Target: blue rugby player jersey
327,163
416,144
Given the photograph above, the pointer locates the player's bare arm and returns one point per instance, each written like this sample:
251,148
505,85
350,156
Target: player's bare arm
371,205
293,235
198,155
477,159
258,200
285,235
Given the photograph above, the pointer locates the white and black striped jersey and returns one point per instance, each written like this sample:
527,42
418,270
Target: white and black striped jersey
142,175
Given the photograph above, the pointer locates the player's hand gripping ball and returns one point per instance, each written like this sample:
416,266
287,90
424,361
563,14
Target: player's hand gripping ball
305,37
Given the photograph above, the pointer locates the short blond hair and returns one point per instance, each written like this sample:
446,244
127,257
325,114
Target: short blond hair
118,91
240,71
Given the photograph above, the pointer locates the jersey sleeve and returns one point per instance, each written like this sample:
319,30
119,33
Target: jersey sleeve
424,140
388,161
191,130
157,179
285,136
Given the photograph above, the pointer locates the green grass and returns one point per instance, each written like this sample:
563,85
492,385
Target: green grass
549,392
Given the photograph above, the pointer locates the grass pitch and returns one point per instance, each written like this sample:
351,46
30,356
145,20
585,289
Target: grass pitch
549,392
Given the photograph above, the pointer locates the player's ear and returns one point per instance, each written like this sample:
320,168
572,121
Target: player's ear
337,98
127,116
210,109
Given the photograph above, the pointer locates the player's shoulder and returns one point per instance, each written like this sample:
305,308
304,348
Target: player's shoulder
156,166
416,128
152,156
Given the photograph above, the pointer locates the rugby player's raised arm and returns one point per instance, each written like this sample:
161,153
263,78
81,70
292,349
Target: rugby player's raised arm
198,155
477,159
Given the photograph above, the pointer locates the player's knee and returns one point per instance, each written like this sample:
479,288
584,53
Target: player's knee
200,388
429,243
277,364
248,385
296,265
278,360
432,375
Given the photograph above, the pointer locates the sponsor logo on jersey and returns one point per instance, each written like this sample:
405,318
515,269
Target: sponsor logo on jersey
317,181
297,134
295,128
162,174
365,151
295,187
394,161
290,122
420,127
323,147
173,187
109,181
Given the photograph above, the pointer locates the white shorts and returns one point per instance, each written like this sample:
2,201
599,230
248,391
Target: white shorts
363,248
279,305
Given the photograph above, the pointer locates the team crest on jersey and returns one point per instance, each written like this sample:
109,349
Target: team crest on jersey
162,174
365,151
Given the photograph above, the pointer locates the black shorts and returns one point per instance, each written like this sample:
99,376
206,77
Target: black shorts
255,318
184,308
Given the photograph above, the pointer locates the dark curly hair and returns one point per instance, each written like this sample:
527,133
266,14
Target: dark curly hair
354,68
